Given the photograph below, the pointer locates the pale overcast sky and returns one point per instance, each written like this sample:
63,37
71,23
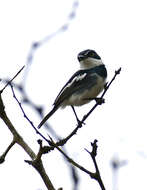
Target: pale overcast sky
117,30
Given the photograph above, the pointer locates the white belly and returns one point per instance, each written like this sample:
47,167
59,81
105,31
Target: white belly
78,99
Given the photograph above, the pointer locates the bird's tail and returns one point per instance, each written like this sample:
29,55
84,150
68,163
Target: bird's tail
48,116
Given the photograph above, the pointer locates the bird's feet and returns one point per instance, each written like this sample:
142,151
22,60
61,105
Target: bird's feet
80,122
99,101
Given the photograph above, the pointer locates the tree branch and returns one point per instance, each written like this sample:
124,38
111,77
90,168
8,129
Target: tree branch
9,82
93,155
53,145
19,140
26,117
2,157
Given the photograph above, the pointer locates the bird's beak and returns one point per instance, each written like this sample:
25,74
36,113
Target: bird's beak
81,57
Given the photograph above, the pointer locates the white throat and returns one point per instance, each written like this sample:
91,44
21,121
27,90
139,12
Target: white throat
90,63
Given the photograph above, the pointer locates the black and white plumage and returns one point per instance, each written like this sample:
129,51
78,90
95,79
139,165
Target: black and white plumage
84,85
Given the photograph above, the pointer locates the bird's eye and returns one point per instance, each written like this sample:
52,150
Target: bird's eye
91,54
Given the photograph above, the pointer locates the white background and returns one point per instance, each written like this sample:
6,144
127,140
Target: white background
117,30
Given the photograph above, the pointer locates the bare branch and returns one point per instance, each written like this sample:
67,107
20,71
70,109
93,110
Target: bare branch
96,174
3,156
9,82
102,96
68,158
19,140
93,155
26,117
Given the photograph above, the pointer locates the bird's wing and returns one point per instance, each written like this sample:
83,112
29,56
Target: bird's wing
80,81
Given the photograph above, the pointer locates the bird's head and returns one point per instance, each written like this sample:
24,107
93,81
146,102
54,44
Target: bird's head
88,59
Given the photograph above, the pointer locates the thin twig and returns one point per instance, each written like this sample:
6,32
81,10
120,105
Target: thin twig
9,82
102,96
69,159
93,155
19,140
95,175
53,145
26,117
2,157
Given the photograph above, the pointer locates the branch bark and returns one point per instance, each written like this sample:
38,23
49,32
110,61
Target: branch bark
17,138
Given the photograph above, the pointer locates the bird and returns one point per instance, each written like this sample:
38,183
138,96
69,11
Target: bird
83,86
